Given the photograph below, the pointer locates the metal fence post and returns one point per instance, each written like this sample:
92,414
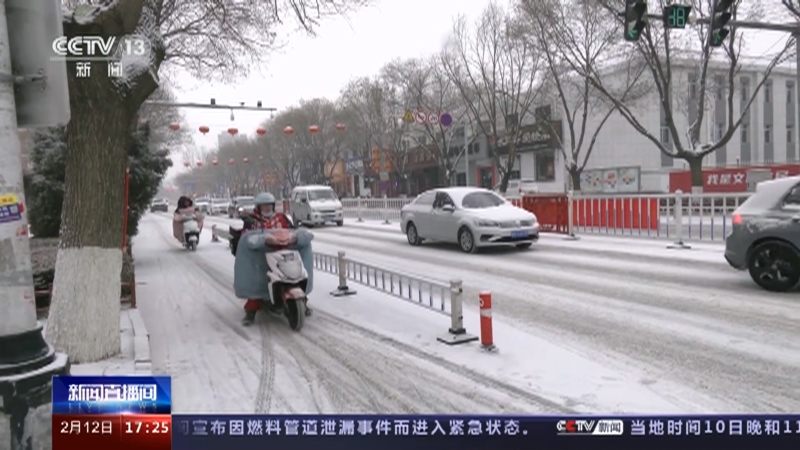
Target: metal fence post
343,289
360,209
457,334
386,210
570,218
679,244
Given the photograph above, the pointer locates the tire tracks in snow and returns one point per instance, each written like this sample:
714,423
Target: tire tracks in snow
735,346
346,366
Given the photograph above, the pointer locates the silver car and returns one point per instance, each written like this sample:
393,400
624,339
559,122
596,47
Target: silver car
470,217
765,235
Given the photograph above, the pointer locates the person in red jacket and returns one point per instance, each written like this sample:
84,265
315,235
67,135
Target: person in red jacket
264,217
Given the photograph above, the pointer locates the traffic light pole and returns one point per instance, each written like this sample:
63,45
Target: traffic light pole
792,28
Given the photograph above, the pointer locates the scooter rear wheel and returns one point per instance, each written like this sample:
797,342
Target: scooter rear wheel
296,313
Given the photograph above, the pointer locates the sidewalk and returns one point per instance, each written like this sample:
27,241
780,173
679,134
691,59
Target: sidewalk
134,357
533,363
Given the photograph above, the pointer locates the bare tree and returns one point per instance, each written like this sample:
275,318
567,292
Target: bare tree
212,39
425,85
570,30
497,74
714,73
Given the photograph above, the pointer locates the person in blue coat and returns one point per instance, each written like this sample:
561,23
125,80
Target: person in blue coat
262,234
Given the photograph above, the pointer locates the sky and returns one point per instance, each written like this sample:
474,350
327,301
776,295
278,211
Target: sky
311,67
344,48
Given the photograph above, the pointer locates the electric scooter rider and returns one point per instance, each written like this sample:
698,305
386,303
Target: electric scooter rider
250,279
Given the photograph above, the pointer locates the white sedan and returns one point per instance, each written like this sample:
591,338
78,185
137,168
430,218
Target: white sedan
469,217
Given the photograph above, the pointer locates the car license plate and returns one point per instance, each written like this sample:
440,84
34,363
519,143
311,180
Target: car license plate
519,234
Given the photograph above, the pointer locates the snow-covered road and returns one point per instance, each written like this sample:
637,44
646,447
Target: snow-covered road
332,366
684,317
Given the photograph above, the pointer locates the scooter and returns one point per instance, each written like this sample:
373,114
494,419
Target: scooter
288,280
191,232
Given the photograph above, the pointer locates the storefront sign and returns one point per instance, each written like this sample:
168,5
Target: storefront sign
728,180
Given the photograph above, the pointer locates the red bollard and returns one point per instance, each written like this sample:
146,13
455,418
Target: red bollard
487,340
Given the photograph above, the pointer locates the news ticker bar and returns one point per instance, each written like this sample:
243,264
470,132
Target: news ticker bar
329,432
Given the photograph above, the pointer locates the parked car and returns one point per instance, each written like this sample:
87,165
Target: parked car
315,205
159,204
218,206
765,235
239,204
470,217
202,204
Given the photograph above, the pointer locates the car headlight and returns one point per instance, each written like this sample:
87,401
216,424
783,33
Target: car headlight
486,223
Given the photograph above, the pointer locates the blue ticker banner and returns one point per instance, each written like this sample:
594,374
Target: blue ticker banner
394,432
112,395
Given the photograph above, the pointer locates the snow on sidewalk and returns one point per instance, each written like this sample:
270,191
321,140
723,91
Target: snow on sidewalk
134,357
538,366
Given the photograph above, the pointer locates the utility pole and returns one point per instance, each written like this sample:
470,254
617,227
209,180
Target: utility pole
27,361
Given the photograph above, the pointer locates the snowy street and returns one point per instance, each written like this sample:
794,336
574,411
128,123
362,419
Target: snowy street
331,366
683,316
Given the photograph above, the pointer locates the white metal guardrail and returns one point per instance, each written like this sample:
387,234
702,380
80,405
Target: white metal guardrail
429,294
677,216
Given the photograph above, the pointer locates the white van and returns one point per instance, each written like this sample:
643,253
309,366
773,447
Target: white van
315,205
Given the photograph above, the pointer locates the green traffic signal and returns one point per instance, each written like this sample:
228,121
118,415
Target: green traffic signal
635,17
676,16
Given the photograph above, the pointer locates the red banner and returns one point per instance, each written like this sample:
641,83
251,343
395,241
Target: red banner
728,180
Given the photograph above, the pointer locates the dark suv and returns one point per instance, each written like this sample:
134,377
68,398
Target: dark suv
159,204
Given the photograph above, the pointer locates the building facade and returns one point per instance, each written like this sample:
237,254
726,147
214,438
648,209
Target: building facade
768,134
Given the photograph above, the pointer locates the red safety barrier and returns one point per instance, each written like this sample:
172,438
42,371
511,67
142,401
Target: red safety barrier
631,213
487,339
551,211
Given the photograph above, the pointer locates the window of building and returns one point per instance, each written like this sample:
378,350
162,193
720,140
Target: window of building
789,134
745,90
767,92
545,162
692,86
720,91
665,135
743,132
719,131
767,134
789,92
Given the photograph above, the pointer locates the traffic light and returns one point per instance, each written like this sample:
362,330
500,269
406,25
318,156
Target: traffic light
635,19
721,16
676,16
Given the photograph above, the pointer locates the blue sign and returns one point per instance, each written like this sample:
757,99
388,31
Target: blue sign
446,119
112,395
10,213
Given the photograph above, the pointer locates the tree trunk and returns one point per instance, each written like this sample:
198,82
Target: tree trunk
696,169
504,181
575,178
85,306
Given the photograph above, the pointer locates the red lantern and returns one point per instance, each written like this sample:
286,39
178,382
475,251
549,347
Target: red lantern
231,161
174,127
232,131
340,127
186,164
313,129
288,131
204,129
199,163
214,162
261,131
245,160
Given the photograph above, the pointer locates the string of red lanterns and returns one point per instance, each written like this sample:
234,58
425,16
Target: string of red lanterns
261,131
